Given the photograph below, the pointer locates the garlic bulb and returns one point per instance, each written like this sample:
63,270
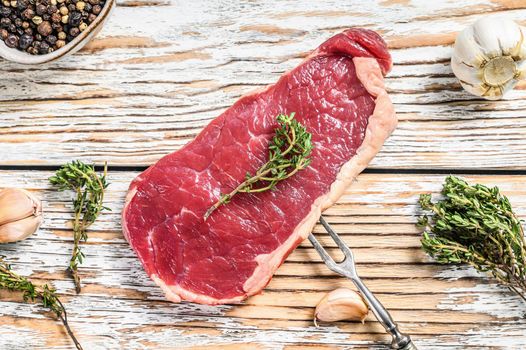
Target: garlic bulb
341,304
489,57
20,214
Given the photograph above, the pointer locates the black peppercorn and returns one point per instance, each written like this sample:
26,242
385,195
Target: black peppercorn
75,18
5,11
51,39
71,7
44,47
28,13
22,4
29,31
38,37
5,22
25,41
96,9
41,9
52,9
91,17
74,31
11,28
11,41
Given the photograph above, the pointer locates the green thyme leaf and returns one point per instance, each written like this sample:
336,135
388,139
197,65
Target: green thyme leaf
89,188
46,295
289,152
475,225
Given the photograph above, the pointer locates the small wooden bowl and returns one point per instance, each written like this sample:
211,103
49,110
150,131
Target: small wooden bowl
15,55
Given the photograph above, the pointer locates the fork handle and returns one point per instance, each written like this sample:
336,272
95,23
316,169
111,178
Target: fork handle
410,346
400,341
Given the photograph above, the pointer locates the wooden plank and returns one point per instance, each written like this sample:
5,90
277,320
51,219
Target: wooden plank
442,307
134,95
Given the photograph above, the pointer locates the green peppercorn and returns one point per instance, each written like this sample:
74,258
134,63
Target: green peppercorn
83,26
81,5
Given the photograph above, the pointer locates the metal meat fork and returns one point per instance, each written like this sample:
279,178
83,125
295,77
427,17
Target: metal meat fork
347,268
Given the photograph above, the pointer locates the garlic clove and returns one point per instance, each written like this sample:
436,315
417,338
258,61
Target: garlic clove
493,43
19,230
466,49
341,304
16,204
20,214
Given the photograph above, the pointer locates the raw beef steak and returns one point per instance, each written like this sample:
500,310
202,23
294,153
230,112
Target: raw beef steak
337,93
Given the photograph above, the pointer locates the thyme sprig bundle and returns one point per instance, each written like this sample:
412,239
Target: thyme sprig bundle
475,225
289,152
44,294
89,188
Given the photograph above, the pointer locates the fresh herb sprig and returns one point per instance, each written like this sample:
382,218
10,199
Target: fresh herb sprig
476,225
89,190
289,152
44,294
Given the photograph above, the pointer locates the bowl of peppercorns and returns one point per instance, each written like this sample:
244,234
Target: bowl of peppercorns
40,31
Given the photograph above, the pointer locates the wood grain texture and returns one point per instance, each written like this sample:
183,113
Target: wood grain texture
157,74
161,70
120,308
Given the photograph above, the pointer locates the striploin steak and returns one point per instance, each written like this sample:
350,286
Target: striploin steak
338,94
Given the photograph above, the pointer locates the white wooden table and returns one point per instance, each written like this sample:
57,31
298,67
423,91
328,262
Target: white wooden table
157,74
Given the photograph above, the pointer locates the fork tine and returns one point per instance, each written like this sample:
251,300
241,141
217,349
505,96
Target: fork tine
341,244
319,248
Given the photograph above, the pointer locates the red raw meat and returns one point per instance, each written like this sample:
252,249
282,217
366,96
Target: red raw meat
337,92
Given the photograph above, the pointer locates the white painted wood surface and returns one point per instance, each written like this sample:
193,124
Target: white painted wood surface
157,74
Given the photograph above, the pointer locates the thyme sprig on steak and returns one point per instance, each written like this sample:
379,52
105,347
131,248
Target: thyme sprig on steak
89,188
289,152
476,225
30,292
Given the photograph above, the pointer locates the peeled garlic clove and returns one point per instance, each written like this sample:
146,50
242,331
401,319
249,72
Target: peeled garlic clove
489,57
20,214
341,304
